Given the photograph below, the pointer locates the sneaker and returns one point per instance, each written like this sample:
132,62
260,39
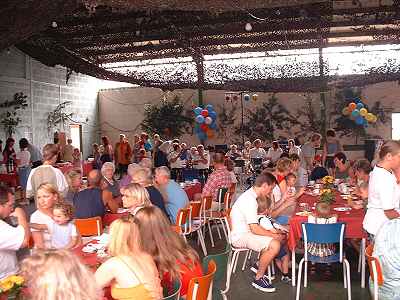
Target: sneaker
254,269
263,285
286,279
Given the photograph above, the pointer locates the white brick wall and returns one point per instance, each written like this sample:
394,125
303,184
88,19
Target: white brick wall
46,88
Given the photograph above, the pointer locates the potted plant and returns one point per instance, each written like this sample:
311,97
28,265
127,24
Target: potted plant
11,287
327,193
10,117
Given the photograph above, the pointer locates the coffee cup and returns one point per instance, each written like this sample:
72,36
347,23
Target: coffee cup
311,182
316,191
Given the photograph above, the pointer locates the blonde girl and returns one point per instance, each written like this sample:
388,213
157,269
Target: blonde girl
131,271
134,196
58,274
46,197
174,258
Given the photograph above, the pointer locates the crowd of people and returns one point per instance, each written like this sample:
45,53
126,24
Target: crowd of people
145,253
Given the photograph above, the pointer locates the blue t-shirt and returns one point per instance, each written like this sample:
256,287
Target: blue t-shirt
89,203
177,199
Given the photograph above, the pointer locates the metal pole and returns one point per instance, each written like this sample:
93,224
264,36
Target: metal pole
241,125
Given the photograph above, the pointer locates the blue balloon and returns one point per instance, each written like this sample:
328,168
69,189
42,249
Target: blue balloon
360,105
210,108
197,110
357,100
246,97
197,129
213,125
200,119
355,113
359,120
212,115
202,136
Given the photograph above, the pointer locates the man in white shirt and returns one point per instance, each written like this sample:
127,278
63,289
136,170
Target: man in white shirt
11,238
247,233
257,151
46,173
201,162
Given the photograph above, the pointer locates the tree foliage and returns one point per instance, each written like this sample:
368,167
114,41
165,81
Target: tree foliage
10,117
59,116
266,119
168,118
226,120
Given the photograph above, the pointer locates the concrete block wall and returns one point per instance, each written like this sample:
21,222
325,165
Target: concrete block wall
46,88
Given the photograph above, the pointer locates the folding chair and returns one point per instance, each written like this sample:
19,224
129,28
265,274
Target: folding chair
323,234
375,269
172,293
90,226
200,287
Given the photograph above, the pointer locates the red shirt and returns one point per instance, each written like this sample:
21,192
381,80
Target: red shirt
186,275
220,178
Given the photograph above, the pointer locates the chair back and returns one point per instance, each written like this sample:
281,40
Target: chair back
228,200
183,219
90,226
220,276
323,234
207,203
228,223
199,287
221,197
375,269
196,209
173,292
232,188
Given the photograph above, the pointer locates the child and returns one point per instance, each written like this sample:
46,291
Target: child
322,216
63,232
282,259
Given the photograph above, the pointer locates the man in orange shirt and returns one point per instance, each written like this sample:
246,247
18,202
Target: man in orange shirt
122,154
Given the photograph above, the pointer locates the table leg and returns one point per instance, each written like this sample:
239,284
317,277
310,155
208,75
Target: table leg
293,267
363,242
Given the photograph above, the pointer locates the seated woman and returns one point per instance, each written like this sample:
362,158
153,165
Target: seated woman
58,275
127,179
131,272
361,169
343,169
174,258
134,197
108,182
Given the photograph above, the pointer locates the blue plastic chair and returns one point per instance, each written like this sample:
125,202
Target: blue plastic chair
323,234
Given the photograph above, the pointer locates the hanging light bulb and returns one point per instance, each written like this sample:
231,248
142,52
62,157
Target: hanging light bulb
248,27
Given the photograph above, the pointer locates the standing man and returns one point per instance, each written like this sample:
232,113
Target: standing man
122,154
36,155
201,162
68,151
247,233
11,238
308,151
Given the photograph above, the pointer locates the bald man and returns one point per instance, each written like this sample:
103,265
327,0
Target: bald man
93,201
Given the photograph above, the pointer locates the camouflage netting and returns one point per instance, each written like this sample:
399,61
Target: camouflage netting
132,40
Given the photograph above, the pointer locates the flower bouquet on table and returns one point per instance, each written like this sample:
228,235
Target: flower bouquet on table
327,193
11,287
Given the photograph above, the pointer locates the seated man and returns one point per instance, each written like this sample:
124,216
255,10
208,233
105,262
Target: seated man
220,178
257,151
247,233
175,197
92,202
11,238
342,166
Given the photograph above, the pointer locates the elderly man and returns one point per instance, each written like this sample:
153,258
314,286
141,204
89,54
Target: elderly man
175,197
46,173
122,154
11,238
220,178
93,201
201,162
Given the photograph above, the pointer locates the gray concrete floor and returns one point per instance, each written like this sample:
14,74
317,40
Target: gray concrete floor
318,287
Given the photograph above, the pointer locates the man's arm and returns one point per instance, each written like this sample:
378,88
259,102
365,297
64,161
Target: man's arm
19,213
391,214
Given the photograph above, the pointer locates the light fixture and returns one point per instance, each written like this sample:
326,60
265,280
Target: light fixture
54,24
8,51
248,27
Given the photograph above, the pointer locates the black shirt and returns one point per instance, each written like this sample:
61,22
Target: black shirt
156,198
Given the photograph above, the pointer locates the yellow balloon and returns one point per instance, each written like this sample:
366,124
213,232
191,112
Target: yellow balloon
369,117
254,97
363,112
346,111
375,118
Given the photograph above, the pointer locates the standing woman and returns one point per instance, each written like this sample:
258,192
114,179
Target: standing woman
383,196
293,149
9,156
131,272
107,155
331,146
24,165
174,258
46,196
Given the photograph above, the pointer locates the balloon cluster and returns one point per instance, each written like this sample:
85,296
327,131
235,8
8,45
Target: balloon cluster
205,122
359,113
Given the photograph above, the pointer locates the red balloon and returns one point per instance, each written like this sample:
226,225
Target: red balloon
204,113
204,127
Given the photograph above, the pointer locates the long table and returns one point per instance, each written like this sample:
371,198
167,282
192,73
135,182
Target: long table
87,166
354,228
